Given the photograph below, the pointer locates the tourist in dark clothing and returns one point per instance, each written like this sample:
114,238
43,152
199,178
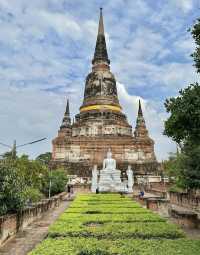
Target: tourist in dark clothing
141,194
69,190
72,189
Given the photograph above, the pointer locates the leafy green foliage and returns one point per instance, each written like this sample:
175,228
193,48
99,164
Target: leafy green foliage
196,35
58,179
44,158
109,233
189,167
110,217
107,221
116,230
170,164
185,168
183,125
32,171
93,246
32,195
12,188
22,181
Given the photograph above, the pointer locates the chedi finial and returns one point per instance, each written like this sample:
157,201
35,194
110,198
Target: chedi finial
100,53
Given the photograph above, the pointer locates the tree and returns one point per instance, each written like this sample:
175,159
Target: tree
170,165
44,158
196,35
32,171
21,181
58,179
12,188
189,166
183,126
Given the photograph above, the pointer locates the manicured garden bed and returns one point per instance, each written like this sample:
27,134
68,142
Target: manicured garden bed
111,224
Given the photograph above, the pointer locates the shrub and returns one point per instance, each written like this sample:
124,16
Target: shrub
122,227
92,246
12,188
58,180
115,230
33,195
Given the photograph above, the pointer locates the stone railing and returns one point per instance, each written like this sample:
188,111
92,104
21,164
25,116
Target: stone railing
11,224
82,188
185,200
184,208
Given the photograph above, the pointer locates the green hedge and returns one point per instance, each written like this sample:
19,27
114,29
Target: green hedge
141,217
91,246
112,221
111,224
113,210
116,230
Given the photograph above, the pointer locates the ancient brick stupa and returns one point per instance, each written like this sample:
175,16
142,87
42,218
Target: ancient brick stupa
101,124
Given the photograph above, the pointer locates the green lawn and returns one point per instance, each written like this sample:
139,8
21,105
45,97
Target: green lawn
111,224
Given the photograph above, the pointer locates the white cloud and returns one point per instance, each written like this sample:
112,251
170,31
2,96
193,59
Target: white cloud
184,5
36,114
62,24
48,45
185,45
154,120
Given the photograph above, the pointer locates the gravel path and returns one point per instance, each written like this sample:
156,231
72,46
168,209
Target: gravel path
27,239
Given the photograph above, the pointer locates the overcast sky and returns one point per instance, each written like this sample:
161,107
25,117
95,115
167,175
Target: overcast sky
46,47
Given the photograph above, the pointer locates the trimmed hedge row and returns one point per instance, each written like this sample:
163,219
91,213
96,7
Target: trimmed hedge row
102,218
113,210
111,224
116,230
91,246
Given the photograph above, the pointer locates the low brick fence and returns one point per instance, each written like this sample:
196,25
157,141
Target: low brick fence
11,224
159,189
157,192
185,200
184,208
82,188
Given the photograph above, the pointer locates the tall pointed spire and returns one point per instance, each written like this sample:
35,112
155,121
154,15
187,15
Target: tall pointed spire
140,129
100,86
140,109
67,108
140,118
100,54
101,26
66,122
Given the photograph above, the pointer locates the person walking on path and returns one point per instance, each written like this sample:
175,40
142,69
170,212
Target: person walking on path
69,190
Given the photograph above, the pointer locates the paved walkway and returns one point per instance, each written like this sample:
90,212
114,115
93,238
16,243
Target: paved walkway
27,239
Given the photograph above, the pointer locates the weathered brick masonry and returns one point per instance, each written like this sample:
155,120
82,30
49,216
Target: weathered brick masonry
101,124
11,224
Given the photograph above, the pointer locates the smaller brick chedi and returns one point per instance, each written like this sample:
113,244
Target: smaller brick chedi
101,124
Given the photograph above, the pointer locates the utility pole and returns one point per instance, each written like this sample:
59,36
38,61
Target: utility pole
15,146
50,181
14,150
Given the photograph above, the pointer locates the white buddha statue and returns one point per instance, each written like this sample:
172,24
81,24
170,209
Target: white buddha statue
95,173
129,173
110,178
109,163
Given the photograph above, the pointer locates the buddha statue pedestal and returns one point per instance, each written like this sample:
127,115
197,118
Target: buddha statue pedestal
110,177
110,181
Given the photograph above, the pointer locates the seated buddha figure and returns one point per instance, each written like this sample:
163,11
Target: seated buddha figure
109,163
